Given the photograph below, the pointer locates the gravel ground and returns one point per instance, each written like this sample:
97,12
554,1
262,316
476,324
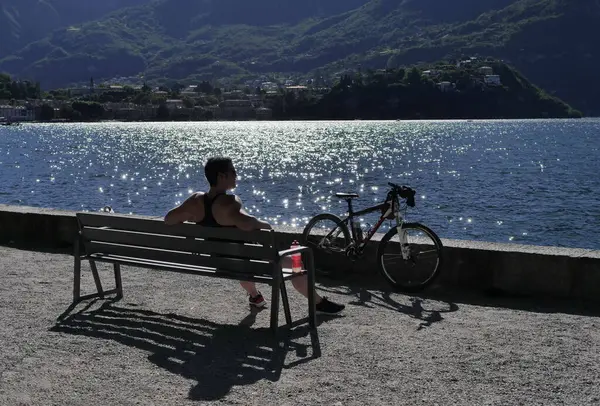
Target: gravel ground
177,339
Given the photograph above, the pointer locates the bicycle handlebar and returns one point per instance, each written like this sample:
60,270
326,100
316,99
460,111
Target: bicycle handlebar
405,192
401,189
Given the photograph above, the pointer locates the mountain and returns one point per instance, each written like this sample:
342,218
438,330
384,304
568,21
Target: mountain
552,42
24,21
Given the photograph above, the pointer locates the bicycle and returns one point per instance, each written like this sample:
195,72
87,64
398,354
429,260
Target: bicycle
339,239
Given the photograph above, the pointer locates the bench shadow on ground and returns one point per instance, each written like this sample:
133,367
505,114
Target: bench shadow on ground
216,356
430,304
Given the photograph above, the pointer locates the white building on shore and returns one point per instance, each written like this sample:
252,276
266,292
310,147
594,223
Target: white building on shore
493,80
17,113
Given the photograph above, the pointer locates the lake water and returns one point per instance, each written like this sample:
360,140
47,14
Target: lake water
524,181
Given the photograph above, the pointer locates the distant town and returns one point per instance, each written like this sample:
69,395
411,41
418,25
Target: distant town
266,98
203,101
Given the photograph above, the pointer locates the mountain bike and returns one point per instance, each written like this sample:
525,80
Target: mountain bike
409,255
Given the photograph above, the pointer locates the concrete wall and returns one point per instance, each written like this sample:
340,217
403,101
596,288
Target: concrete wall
510,268
33,227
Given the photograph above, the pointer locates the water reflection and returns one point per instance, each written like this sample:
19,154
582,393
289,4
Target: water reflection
503,181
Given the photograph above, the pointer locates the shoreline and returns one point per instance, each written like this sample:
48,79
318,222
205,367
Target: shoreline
591,118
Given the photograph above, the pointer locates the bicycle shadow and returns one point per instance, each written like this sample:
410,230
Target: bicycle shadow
216,356
361,284
371,295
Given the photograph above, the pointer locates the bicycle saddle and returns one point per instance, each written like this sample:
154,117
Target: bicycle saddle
346,195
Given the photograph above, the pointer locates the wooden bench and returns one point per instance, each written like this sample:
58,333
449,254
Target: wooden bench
187,248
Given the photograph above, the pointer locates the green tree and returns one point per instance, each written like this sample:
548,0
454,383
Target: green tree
89,110
66,112
188,102
15,91
211,100
205,87
413,77
60,94
142,98
175,90
46,112
36,91
76,116
289,101
162,113
129,91
463,81
157,99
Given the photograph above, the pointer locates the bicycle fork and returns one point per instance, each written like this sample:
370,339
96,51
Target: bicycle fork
403,236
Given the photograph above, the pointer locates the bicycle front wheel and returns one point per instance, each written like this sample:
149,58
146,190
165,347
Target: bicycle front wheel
423,250
327,235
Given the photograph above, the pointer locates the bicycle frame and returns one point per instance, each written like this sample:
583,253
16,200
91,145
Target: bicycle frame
385,209
357,244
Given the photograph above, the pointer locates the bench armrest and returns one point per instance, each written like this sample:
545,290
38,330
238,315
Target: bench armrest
292,251
310,273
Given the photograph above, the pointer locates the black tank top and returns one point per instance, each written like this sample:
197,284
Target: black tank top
209,218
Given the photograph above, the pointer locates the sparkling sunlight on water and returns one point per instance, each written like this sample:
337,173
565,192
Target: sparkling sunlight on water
530,182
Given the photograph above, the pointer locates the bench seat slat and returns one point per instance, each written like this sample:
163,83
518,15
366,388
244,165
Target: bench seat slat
241,266
176,243
153,226
189,269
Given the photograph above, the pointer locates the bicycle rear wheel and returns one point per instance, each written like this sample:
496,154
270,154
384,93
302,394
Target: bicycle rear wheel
424,258
327,235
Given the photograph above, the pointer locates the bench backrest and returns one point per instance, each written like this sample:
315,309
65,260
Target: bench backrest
228,249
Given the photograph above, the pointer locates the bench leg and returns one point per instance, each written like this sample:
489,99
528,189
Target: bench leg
118,283
97,279
275,305
77,274
286,304
312,311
